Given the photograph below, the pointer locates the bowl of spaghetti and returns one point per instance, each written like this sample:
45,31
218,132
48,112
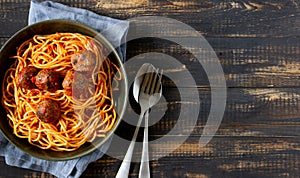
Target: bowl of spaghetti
64,90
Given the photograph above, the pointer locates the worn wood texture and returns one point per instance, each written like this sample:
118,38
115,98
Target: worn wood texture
258,45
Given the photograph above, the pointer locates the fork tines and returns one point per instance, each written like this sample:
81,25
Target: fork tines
152,81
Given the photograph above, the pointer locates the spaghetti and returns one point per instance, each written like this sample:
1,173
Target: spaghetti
82,118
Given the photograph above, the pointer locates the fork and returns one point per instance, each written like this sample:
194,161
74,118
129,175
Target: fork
156,90
147,94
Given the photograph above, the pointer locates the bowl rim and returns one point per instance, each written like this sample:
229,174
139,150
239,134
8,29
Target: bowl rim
99,37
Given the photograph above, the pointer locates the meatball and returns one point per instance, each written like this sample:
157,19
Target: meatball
48,111
48,80
77,83
25,78
84,61
68,80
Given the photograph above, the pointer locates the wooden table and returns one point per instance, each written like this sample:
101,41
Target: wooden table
258,46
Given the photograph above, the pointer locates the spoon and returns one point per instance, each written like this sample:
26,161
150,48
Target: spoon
156,88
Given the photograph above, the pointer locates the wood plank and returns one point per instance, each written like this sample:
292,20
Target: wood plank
215,18
260,112
246,62
222,157
256,62
13,16
3,41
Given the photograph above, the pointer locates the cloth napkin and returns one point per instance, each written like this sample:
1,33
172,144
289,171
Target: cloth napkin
115,31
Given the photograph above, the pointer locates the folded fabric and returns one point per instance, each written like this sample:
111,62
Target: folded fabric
115,31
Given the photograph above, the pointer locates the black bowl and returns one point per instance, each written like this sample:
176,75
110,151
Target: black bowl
49,27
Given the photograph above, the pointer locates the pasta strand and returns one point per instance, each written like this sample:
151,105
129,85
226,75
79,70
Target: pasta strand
81,121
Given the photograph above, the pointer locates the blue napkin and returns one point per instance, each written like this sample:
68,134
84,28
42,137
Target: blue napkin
115,31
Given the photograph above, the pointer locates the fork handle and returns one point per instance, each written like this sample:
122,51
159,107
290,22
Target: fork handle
144,167
124,169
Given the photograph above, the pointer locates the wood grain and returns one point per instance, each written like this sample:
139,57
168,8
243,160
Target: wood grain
257,44
246,62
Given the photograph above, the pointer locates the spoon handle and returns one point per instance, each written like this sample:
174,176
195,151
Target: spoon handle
124,169
144,168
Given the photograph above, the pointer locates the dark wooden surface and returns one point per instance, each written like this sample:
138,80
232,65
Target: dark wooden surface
258,45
